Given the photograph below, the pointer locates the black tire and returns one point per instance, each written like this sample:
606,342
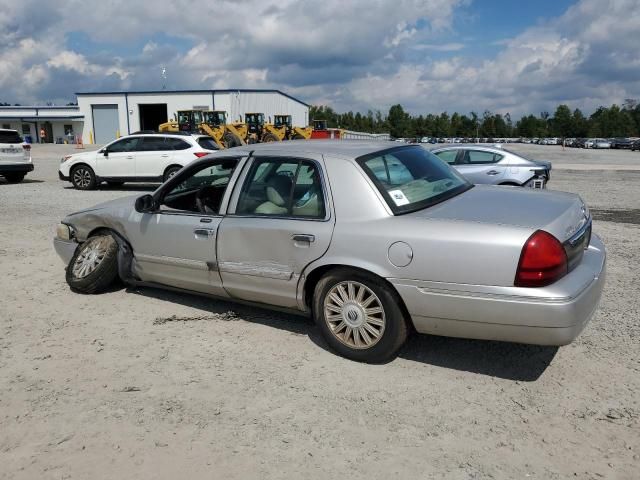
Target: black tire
170,172
395,330
105,270
14,177
230,140
270,137
83,178
297,136
115,184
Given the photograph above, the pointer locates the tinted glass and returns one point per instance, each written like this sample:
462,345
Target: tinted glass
175,144
207,143
480,157
448,156
152,144
125,145
10,137
412,178
276,187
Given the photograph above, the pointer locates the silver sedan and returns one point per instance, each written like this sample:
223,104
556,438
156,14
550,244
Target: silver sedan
483,164
371,241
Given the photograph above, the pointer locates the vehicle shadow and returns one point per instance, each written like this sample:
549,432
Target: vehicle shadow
510,361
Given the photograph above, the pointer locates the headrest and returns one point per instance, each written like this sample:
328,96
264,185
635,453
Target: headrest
279,189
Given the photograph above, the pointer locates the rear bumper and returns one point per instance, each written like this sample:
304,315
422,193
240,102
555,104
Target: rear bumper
16,167
553,315
65,249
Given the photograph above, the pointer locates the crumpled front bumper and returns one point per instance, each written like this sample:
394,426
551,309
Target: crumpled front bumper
65,249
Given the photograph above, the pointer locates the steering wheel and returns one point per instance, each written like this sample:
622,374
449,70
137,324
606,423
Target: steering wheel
203,199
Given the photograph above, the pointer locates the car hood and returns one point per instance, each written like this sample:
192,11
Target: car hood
114,205
559,213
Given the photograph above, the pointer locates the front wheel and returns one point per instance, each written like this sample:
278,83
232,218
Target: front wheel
359,315
94,265
83,178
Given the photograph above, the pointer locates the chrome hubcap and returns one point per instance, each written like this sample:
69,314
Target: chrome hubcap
82,177
354,314
90,257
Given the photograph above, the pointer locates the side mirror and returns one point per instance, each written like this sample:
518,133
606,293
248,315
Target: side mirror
105,152
145,204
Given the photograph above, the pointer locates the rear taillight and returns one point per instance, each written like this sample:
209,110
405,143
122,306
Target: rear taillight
200,154
27,147
542,261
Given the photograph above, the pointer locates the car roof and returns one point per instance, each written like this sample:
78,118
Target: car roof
344,148
8,130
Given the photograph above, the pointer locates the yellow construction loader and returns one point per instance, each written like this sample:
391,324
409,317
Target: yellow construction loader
185,121
284,124
212,123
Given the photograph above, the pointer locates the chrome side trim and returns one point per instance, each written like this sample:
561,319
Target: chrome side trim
173,261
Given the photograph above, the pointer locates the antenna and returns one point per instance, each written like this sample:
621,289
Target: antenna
164,78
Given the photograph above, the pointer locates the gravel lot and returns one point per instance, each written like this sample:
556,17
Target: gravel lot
149,384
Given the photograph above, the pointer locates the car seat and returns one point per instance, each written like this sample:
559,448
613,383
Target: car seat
277,191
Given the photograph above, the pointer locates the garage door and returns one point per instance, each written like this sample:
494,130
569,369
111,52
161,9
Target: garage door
105,123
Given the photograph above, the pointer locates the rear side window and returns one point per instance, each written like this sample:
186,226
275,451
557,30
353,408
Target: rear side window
175,144
207,143
476,157
152,144
10,137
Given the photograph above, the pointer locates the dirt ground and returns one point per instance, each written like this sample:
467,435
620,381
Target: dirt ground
150,384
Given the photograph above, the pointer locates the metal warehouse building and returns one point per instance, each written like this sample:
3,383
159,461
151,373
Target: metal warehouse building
102,116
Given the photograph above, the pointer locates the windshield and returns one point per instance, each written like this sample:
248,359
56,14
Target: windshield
411,178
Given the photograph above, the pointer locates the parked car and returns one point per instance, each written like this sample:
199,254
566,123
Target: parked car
482,164
621,143
140,157
15,156
635,145
601,143
589,142
369,240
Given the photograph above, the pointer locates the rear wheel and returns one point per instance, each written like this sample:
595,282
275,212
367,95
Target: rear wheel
270,137
170,172
94,265
83,178
297,136
359,315
14,177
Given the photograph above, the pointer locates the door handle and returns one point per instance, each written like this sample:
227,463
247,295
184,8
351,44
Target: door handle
164,156
129,157
204,232
303,237
493,172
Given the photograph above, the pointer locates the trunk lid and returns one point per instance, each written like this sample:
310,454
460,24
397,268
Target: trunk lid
559,213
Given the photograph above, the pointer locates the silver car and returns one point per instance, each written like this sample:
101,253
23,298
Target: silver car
372,241
482,164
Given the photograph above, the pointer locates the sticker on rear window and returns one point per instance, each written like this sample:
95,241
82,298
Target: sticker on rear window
398,197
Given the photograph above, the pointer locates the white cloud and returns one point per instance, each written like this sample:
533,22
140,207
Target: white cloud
360,54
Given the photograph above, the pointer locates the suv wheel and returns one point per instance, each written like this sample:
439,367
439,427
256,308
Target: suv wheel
359,315
14,177
170,172
83,178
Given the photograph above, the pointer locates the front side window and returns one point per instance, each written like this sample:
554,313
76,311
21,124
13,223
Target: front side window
125,145
277,187
411,178
478,157
203,189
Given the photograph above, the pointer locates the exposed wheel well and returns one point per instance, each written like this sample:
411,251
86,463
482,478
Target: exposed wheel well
315,275
170,167
81,164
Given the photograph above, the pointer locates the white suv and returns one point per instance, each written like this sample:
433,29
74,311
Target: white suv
135,158
15,156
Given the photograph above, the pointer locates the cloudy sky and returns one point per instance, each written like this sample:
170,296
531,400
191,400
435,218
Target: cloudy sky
428,55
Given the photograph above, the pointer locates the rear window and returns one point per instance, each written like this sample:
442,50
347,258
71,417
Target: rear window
10,136
411,178
207,143
175,144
